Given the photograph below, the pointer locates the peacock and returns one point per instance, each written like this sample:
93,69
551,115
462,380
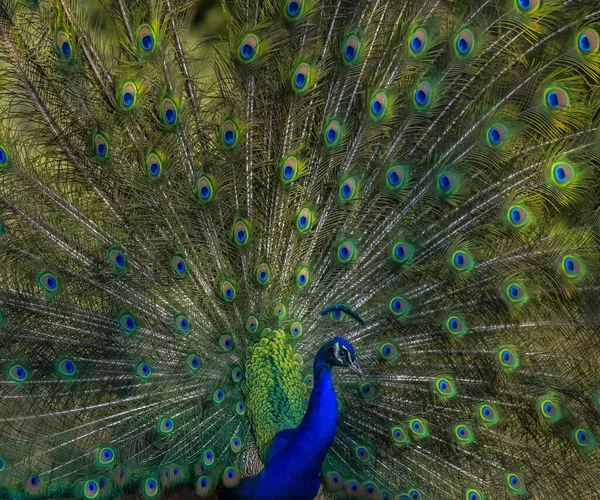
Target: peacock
349,251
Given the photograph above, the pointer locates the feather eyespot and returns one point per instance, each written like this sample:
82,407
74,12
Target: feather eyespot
423,95
229,134
367,390
294,9
230,477
348,190
587,41
298,359
418,42
497,134
351,49
363,453
338,315
3,157
240,408
518,216
154,166
33,484
304,219
262,274
464,43
235,443
280,310
204,189
179,266
48,282
419,428
571,266
63,43
226,343
514,484
455,326
556,99
289,169
100,147
335,482
515,293
462,261
401,252
169,112
399,436
181,322
129,93
562,174
463,434
302,277
66,367
192,362
240,233
487,414
296,330
18,373
302,77
471,494
91,489
445,387
151,487
218,396
379,106
249,48
106,456
394,177
143,370
346,252
447,182
527,6
117,259
389,351
146,38
508,359
203,487
549,409
584,438
127,323
165,425
228,291
208,457
414,494
251,324
236,374
2,464
333,133
398,306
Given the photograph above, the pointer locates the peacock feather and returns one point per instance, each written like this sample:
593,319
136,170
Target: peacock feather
189,263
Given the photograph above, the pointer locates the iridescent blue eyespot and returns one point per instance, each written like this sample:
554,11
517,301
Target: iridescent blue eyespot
587,41
64,44
418,42
497,134
422,94
293,8
351,49
145,36
249,48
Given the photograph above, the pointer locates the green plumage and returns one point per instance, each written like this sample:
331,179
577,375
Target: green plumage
168,241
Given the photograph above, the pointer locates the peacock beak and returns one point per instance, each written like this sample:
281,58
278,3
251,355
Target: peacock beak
355,368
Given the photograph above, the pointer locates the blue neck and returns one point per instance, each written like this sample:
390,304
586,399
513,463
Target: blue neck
320,420
294,468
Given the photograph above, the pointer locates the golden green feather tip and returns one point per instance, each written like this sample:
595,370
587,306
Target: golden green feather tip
273,387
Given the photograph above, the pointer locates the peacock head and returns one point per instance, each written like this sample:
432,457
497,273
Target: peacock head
340,352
